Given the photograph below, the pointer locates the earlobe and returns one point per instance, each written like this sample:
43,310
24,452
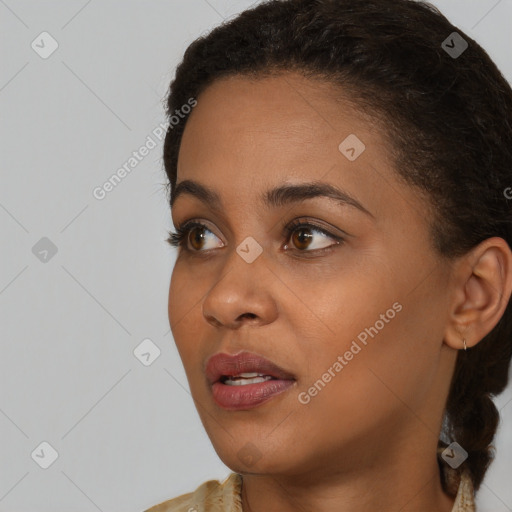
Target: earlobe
483,285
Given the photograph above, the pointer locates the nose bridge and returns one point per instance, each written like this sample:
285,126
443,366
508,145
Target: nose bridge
244,266
240,290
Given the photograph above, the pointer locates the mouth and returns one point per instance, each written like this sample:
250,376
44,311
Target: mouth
245,380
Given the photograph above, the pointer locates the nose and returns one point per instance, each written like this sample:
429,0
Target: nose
243,294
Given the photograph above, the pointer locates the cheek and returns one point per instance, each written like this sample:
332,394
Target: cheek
347,395
375,369
176,290
184,309
186,290
363,352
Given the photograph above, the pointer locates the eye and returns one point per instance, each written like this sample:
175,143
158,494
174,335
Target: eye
192,232
301,235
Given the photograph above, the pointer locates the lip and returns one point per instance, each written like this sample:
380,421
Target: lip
249,395
221,364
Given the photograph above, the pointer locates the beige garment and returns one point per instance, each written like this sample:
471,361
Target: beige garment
214,496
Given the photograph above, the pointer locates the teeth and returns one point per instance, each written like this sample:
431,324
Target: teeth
246,378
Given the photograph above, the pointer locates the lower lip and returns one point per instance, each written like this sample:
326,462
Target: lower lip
248,396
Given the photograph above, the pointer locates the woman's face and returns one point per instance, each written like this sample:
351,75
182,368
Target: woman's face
354,306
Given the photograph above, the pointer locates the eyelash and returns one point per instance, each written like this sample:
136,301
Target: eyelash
177,238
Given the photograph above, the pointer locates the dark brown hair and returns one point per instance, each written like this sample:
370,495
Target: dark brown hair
449,123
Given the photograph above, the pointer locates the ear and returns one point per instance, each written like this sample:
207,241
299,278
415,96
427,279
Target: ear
482,283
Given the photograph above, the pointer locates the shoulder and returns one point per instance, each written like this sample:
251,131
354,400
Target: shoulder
458,484
210,496
465,498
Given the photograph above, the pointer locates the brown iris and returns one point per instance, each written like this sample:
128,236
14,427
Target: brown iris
301,236
198,237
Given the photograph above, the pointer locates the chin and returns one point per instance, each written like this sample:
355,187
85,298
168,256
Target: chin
245,455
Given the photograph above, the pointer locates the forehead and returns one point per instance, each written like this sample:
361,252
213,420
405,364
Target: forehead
279,124
248,136
287,112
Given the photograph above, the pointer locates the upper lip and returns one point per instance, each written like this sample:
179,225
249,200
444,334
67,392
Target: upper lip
222,364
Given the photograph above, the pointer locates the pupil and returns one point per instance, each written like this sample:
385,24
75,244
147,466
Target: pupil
303,236
197,236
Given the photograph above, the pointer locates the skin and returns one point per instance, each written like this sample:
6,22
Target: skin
367,441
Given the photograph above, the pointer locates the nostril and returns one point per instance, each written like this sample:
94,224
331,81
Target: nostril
248,315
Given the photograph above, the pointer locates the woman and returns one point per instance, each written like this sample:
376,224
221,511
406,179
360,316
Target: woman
338,175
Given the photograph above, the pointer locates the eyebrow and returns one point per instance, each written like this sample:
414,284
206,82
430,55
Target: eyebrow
274,198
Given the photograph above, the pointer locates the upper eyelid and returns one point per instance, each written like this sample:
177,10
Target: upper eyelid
221,220
287,228
297,223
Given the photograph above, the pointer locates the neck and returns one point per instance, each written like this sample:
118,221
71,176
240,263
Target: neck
406,484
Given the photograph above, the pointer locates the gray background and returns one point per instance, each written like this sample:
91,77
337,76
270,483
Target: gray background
127,435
